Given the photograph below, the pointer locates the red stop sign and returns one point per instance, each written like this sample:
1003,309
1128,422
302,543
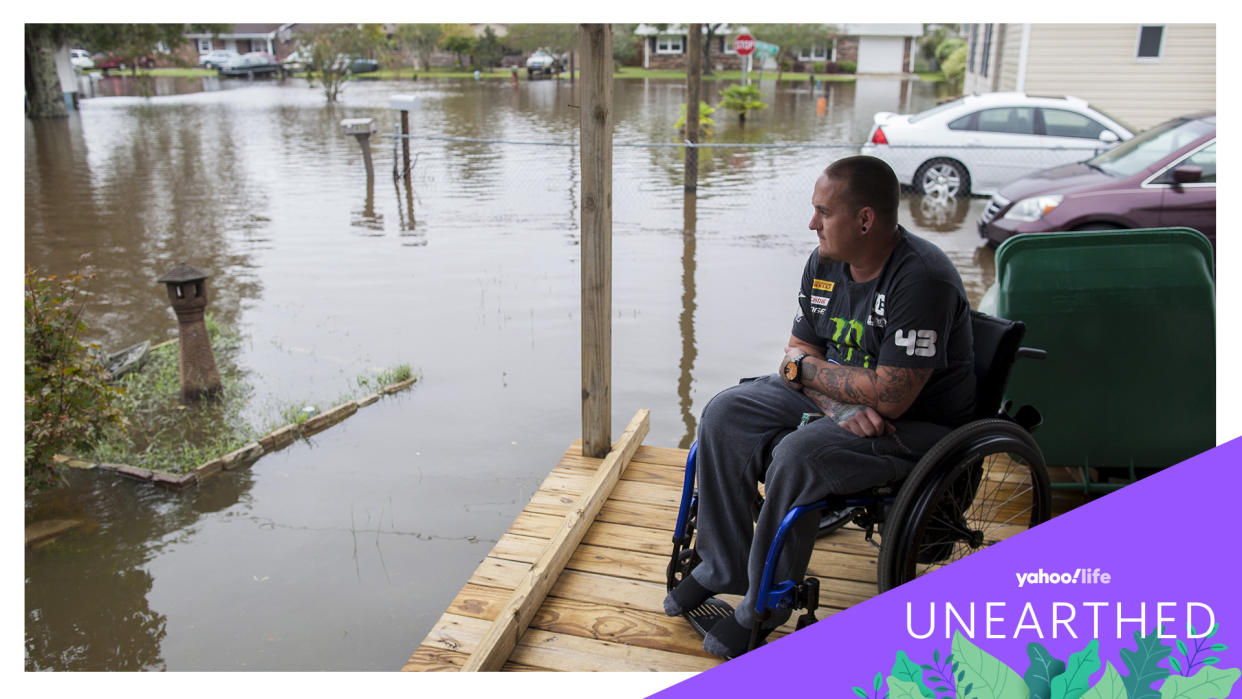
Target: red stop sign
744,44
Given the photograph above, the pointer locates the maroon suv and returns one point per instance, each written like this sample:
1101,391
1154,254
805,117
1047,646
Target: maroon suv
1165,176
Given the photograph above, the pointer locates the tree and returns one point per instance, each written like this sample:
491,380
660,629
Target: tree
457,39
790,38
624,46
328,48
131,42
487,49
423,38
709,33
557,38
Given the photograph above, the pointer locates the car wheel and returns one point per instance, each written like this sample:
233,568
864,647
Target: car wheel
942,177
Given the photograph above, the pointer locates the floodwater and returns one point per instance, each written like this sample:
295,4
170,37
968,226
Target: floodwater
339,554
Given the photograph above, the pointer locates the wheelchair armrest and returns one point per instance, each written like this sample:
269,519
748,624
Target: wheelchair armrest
1031,353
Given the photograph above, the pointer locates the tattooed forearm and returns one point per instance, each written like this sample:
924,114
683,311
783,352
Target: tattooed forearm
834,410
889,390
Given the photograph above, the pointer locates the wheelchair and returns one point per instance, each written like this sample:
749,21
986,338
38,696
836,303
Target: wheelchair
983,482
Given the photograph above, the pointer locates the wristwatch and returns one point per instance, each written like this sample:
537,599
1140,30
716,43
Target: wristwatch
793,368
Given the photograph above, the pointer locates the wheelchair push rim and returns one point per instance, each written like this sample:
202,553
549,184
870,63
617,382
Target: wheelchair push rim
984,483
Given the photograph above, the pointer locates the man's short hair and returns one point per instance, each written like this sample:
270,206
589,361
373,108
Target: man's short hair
868,181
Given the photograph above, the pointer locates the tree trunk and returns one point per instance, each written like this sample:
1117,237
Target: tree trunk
707,51
43,90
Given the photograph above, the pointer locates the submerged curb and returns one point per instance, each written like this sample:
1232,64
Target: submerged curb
247,455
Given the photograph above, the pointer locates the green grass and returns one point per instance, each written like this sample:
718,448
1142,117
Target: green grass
165,435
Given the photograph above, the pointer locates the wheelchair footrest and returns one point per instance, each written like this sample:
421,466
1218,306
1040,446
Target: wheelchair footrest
703,617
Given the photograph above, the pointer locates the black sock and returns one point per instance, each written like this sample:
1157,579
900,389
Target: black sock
729,639
686,596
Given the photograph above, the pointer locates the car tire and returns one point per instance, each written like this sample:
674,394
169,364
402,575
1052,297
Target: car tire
942,176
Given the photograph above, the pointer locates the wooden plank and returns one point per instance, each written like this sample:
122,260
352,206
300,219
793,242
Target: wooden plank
590,559
431,659
567,652
595,157
528,595
646,628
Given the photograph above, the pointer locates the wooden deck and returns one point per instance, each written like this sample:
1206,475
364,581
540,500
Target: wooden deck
604,612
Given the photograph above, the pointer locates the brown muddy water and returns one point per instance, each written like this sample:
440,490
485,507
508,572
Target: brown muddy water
339,554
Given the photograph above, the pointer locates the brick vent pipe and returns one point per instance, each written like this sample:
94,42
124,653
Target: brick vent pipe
187,292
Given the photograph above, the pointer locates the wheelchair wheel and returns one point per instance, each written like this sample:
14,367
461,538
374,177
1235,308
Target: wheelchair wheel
983,483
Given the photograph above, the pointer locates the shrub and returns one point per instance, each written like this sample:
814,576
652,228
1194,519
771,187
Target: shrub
954,66
69,402
848,66
818,67
948,47
706,123
741,98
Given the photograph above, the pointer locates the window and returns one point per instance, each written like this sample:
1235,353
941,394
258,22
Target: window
204,45
671,44
1017,120
987,50
1149,147
1205,158
966,123
818,52
1066,124
1150,41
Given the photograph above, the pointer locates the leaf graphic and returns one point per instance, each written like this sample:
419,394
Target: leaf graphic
1110,686
878,680
1144,666
905,669
1182,647
989,677
901,689
1043,668
1078,671
1176,665
1208,683
860,692
1218,647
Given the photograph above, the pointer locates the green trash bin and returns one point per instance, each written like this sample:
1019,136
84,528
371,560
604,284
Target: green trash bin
1128,320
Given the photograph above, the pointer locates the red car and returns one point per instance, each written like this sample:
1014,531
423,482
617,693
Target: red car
1165,176
108,61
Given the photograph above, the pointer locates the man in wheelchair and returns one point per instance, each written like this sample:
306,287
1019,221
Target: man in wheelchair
881,346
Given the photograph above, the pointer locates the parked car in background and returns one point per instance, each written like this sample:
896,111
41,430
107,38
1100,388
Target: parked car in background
80,59
977,143
251,64
108,61
541,61
358,64
1165,176
217,58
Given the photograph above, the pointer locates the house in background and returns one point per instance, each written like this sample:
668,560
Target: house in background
1142,74
875,48
243,39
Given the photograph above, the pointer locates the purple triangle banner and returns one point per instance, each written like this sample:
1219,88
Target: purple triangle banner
1135,595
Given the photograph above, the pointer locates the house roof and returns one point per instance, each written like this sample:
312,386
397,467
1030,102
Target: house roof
241,31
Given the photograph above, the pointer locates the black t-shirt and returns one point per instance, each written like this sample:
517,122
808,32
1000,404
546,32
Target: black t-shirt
914,314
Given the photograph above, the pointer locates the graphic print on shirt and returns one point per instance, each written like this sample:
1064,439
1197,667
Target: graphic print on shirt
847,338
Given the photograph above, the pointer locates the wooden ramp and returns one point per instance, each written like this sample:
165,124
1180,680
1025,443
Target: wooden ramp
605,610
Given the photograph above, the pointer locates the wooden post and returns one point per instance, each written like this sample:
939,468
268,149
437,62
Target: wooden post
528,596
595,142
405,143
694,85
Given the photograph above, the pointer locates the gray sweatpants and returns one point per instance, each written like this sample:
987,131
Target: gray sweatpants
738,429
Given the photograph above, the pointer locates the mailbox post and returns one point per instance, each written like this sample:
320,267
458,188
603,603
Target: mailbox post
361,129
404,104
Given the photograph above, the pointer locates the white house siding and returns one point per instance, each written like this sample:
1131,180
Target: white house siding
1007,77
880,54
1097,63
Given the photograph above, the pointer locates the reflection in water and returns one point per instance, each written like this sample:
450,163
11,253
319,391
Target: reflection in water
688,351
407,228
939,212
88,609
367,218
